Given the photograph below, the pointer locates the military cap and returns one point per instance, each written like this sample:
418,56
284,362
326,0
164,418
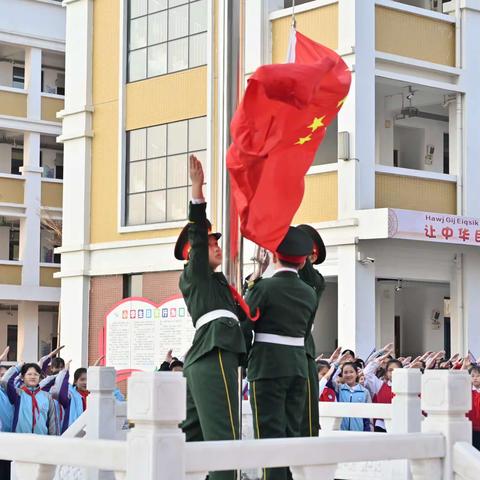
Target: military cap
182,247
318,245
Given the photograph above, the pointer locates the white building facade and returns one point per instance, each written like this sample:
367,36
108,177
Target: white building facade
32,73
393,189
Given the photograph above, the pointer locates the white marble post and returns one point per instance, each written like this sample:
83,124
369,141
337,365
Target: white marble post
446,398
156,446
406,411
101,421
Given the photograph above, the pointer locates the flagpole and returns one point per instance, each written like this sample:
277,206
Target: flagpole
233,81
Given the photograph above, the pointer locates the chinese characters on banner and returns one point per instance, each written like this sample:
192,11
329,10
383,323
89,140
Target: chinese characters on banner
139,333
433,227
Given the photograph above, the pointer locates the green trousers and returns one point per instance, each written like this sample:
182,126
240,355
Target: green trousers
212,401
277,406
311,420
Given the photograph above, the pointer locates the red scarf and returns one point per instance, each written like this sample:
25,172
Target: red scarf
243,305
35,408
84,394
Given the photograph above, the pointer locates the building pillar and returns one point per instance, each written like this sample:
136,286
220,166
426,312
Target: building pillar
76,137
33,82
356,302
471,300
30,224
470,26
27,338
356,176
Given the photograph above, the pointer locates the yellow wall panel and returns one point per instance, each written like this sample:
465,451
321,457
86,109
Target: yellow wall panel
13,104
409,35
409,193
10,274
11,190
46,277
106,58
167,98
52,194
320,25
50,107
320,202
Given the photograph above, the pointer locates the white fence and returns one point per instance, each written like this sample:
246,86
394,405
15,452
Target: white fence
156,449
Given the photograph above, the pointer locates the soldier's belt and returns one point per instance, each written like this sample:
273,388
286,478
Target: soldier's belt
213,315
280,339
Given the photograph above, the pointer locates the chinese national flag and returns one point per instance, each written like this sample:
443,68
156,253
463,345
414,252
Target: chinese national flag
276,131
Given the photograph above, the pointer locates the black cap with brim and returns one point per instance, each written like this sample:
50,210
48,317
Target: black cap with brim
182,240
296,243
317,240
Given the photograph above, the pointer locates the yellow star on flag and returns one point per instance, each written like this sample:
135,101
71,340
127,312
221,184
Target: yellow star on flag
341,102
303,140
317,123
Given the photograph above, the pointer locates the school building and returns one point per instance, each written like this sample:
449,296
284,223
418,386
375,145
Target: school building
32,83
393,189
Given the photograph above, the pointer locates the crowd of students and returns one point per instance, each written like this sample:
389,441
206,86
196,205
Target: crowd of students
346,378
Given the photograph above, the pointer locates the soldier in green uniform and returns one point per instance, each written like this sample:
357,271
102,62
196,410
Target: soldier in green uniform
277,364
311,421
218,347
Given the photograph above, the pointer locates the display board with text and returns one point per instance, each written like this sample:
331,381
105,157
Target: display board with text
138,333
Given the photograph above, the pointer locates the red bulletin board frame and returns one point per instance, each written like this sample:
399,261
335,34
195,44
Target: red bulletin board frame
102,334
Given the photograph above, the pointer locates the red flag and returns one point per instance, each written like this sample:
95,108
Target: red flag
275,133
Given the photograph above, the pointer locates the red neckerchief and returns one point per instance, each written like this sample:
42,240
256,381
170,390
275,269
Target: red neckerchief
243,305
84,394
35,407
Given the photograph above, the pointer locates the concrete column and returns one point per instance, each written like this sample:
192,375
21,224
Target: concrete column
30,225
465,303
356,302
76,137
471,300
27,343
33,82
356,177
470,26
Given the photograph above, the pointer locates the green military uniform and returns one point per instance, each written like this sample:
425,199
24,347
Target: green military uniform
311,420
278,372
218,346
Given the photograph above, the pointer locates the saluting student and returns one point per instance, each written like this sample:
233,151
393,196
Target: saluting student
277,365
311,420
34,411
218,347
70,399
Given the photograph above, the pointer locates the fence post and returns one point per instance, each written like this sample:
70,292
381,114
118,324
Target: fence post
406,411
446,398
101,419
156,445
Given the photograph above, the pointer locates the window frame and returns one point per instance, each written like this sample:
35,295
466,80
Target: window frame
126,193
166,42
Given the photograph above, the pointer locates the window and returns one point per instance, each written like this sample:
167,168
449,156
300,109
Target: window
12,335
18,77
166,36
14,244
17,161
158,184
